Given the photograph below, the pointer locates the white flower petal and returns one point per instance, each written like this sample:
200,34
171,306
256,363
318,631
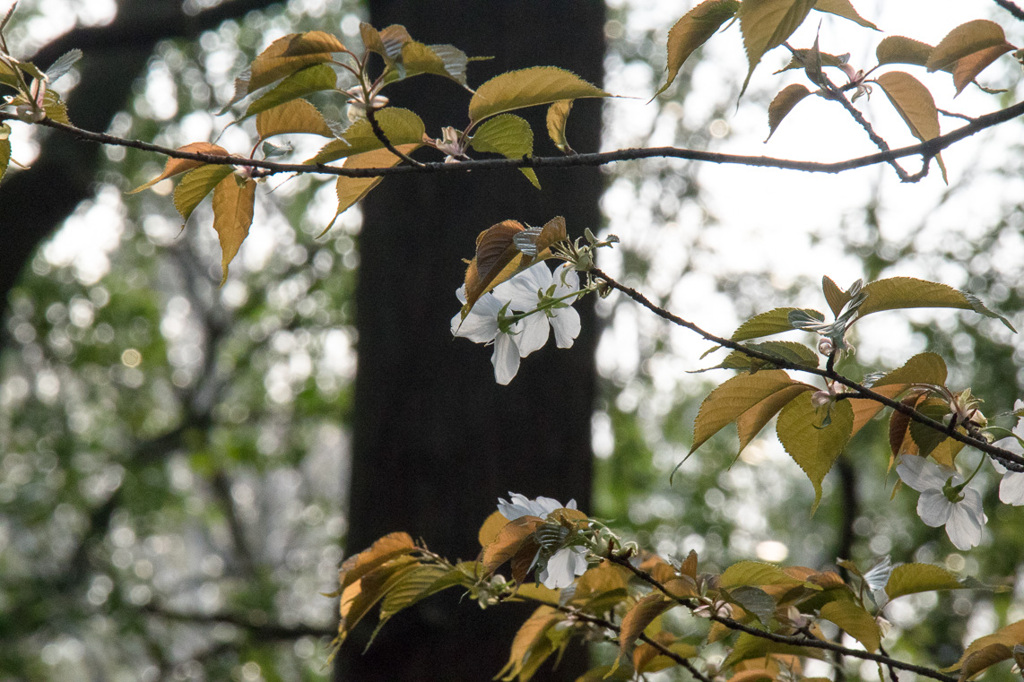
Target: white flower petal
481,325
923,474
1011,488
934,508
561,569
533,334
524,289
566,323
966,521
519,506
505,359
571,280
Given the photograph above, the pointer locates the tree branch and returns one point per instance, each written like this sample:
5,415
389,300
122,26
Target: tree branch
261,631
1012,8
1010,460
927,150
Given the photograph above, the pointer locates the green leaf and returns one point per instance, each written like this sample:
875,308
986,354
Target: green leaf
756,573
527,88
174,166
508,135
788,351
774,321
857,622
789,97
813,446
915,105
756,601
903,50
733,398
907,292
301,83
296,116
914,578
400,125
557,118
693,30
234,199
966,39
287,55
195,185
421,582
351,190
766,24
923,368
844,9
750,423
441,60
750,646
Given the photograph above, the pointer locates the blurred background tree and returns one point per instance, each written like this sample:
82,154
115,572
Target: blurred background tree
178,461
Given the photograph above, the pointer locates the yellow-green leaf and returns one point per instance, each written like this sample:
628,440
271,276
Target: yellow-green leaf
508,135
908,292
301,83
915,105
640,616
923,368
419,583
903,50
441,60
296,116
492,525
383,550
387,42
234,199
860,624
844,9
750,423
749,646
288,54
195,185
984,658
965,39
766,24
693,30
913,578
557,118
175,166
530,635
351,190
733,398
527,88
774,321
400,125
812,445
788,351
755,574
789,97
5,148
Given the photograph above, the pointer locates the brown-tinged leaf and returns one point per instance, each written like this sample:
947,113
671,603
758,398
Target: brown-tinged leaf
605,577
864,409
923,368
766,24
789,97
295,116
557,118
844,9
967,68
530,634
509,540
196,185
915,105
360,596
441,60
387,43
522,560
234,199
649,659
914,578
857,622
1009,636
497,258
749,647
907,292
175,166
351,190
386,548
984,658
733,398
290,53
537,592
966,39
755,574
5,148
903,50
693,30
639,617
900,442
527,88
813,446
491,527
835,296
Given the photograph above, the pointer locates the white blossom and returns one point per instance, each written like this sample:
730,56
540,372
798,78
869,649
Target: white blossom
482,326
566,563
962,515
1011,487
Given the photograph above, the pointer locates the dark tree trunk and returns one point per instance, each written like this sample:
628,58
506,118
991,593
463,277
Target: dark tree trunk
436,440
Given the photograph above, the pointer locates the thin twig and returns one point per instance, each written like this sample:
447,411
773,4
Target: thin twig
1012,8
1010,460
926,149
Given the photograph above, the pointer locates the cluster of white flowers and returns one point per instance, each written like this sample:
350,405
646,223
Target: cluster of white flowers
947,501
495,318
565,564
